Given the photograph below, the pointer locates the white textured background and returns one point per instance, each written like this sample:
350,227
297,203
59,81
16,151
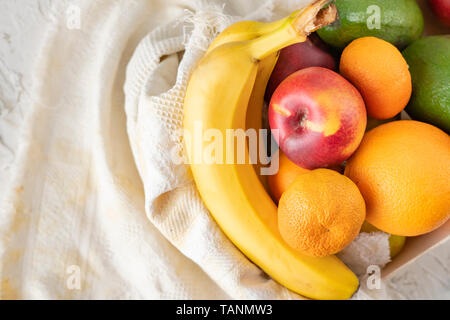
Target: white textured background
22,26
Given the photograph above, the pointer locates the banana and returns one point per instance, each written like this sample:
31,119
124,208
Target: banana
218,94
255,107
244,31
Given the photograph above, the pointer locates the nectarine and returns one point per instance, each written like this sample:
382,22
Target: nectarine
320,117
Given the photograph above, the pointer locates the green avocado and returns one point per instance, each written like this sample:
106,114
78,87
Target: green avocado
399,22
429,64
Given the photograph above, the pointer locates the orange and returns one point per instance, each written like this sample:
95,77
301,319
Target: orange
287,172
321,213
403,171
381,74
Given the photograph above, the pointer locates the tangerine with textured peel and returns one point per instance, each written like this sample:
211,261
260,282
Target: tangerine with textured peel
321,213
403,171
381,74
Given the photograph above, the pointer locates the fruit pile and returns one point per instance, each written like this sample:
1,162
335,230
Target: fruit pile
346,163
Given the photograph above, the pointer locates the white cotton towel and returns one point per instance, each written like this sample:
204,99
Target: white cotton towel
75,221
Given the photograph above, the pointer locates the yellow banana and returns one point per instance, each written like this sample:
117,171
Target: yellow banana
244,31
247,30
255,107
217,97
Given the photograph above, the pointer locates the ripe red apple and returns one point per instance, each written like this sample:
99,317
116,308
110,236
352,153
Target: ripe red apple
441,9
320,116
311,53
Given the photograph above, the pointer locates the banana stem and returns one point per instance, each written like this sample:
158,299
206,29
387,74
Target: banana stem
296,29
315,17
